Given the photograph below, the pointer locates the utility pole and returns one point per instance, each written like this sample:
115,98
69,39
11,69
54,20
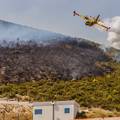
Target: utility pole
53,105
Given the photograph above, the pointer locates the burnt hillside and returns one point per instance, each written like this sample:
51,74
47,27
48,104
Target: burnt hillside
62,60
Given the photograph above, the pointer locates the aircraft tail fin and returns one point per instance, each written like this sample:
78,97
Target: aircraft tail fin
75,13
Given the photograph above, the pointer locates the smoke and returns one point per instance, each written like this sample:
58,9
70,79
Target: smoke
114,32
11,32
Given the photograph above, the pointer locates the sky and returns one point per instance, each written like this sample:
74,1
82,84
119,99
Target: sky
56,15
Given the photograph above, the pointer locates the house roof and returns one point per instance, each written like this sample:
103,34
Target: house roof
70,102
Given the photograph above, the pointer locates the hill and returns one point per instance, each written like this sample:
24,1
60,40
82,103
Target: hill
28,54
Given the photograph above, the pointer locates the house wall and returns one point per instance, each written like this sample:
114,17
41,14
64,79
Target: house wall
76,109
46,113
60,115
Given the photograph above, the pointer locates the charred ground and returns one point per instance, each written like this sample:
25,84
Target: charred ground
67,59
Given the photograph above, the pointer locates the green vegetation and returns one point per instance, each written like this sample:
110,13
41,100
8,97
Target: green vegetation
101,91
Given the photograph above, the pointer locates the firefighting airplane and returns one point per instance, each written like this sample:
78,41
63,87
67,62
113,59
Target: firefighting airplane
91,21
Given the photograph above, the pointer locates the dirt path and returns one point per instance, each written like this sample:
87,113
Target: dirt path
111,118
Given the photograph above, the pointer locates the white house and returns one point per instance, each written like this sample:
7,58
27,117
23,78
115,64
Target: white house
58,110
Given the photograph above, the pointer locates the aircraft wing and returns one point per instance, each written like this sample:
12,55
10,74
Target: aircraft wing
101,24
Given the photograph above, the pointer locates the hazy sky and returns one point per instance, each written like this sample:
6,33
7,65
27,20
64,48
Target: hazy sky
56,15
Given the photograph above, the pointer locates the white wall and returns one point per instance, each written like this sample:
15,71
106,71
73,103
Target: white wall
46,113
76,109
60,115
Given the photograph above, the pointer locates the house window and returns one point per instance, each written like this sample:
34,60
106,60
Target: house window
66,110
38,111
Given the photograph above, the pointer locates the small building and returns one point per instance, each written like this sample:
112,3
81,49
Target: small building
58,110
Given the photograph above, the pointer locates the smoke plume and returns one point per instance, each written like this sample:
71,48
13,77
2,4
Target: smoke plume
114,32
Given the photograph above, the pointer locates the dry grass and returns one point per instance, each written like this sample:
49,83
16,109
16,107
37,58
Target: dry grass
15,112
109,118
98,112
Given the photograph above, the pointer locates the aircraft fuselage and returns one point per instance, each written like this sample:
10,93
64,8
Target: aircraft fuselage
88,23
